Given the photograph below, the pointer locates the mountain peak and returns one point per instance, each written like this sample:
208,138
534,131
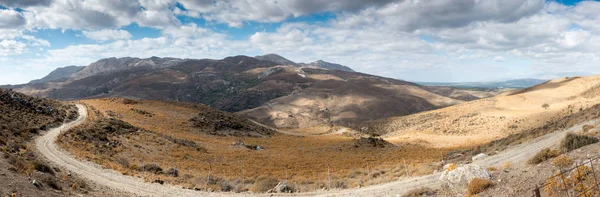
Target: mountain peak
276,59
328,65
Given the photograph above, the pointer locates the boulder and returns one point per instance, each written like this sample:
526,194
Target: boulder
463,174
478,157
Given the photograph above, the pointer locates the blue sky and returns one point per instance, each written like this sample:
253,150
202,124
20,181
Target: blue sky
437,41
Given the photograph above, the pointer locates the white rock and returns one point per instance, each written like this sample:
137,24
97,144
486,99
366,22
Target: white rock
478,157
463,174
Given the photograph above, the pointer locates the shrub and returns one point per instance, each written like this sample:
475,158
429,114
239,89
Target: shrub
172,172
424,191
492,168
51,181
574,141
265,184
42,167
562,161
124,162
545,106
155,168
544,155
478,185
130,102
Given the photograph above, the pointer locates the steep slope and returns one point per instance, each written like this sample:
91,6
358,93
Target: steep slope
21,118
277,59
484,120
111,65
280,95
338,97
60,74
327,65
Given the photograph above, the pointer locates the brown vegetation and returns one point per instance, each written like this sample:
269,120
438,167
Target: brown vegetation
421,192
544,155
302,161
575,141
478,185
21,119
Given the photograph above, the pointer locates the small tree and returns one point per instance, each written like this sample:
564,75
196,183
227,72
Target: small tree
545,105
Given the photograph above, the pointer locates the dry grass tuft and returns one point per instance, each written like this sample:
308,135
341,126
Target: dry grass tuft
478,185
562,161
544,155
420,192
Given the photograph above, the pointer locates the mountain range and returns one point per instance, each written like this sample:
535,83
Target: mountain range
269,88
516,83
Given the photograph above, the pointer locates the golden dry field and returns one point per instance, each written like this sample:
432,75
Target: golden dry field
302,161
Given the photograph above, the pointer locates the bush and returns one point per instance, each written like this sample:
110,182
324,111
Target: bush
155,168
574,141
544,155
562,161
172,172
265,184
424,191
51,181
124,162
42,167
478,185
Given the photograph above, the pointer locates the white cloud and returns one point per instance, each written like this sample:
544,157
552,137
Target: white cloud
12,47
11,19
107,35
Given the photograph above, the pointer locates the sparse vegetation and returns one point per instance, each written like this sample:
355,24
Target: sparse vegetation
544,155
170,141
562,162
154,168
545,105
421,192
478,185
575,141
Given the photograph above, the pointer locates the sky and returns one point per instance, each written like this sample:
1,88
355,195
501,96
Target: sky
415,40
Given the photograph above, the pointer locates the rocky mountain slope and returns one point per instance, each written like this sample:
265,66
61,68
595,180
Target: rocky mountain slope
316,64
60,74
327,65
24,174
280,95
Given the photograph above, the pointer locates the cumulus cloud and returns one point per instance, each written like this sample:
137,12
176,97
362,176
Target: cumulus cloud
11,19
107,35
11,47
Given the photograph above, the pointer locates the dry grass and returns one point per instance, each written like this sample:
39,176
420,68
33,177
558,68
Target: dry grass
562,162
424,191
303,161
478,185
544,155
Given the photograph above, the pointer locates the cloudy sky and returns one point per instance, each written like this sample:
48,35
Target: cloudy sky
417,40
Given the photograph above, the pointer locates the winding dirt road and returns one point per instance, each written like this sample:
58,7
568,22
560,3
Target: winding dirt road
46,145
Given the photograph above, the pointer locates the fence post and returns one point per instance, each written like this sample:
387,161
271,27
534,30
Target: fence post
564,182
328,179
594,173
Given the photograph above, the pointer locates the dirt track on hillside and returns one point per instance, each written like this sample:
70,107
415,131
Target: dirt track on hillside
46,145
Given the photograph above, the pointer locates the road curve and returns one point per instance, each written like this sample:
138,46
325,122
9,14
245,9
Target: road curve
137,187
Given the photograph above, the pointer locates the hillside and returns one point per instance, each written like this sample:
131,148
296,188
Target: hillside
279,95
481,121
153,139
60,74
21,119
